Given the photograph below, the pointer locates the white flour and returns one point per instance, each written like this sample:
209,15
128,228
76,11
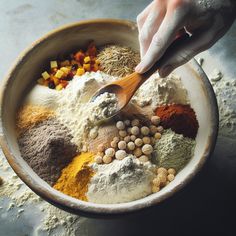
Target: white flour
158,91
225,90
75,109
42,96
120,181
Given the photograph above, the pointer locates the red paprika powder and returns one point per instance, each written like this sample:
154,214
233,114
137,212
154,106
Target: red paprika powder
180,118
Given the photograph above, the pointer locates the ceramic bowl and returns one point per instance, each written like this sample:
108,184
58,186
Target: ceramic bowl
31,62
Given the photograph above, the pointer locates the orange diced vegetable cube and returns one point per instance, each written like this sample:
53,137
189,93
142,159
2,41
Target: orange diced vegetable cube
79,56
95,67
65,63
56,80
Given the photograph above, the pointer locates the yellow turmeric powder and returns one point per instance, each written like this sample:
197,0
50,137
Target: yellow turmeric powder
75,177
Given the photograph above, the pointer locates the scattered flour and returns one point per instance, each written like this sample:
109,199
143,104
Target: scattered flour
120,181
225,90
53,221
77,112
161,91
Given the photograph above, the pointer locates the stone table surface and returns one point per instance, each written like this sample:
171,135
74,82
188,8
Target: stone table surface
205,207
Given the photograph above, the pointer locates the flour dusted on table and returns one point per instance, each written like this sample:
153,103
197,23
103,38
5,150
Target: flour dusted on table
158,91
225,90
74,107
120,181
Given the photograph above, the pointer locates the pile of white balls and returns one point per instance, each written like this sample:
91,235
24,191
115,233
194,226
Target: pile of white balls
134,139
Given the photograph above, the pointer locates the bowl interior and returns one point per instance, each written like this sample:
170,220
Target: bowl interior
32,62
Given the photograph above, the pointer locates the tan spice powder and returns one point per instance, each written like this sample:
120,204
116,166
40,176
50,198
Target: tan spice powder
28,116
118,60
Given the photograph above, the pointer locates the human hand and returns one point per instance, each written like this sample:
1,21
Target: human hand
164,21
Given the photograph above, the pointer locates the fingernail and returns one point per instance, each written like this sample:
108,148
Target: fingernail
165,71
138,68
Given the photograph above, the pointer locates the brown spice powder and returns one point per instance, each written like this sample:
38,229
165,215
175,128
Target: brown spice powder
29,115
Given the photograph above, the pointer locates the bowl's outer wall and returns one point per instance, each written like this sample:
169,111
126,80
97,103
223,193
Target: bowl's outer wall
32,62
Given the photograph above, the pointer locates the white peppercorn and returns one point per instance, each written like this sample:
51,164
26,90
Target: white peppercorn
122,133
120,154
106,159
170,177
135,130
122,145
113,144
127,122
160,129
135,122
145,130
129,130
116,139
162,170
171,171
127,139
98,159
153,129
132,137
138,142
131,146
120,125
137,152
147,149
156,181
146,140
143,158
110,152
155,120
157,135
155,189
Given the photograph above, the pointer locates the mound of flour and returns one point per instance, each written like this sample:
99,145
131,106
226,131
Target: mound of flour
120,181
77,112
158,91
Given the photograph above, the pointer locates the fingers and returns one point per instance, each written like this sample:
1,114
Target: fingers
181,52
143,15
151,25
161,40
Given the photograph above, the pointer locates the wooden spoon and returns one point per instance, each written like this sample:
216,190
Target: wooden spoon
125,87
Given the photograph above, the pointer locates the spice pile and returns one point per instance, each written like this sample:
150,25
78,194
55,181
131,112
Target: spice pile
117,60
136,153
